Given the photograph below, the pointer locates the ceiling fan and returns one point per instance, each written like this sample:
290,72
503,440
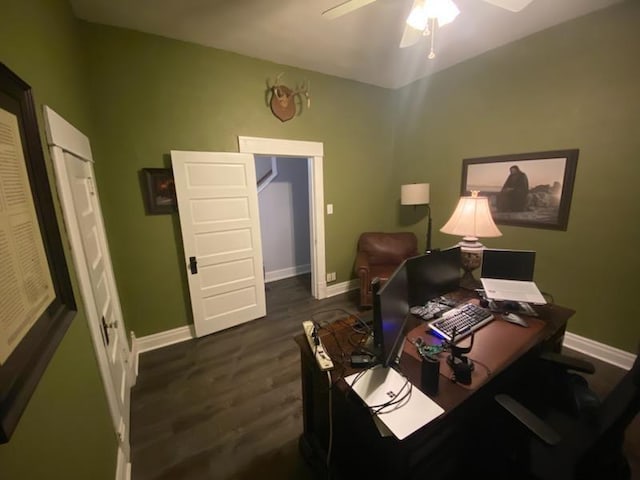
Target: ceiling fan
423,16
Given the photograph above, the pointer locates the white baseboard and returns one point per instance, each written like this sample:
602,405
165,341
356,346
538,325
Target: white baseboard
603,352
163,339
274,275
342,287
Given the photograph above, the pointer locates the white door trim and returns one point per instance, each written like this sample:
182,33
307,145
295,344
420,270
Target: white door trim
64,137
314,153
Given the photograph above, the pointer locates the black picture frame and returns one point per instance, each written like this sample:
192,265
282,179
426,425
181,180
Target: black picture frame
159,191
539,199
23,369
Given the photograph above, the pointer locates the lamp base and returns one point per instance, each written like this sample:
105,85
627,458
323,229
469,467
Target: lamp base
470,262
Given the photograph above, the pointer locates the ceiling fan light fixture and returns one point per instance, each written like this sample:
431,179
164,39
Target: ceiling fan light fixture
417,17
444,11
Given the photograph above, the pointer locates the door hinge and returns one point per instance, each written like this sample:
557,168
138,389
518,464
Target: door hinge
193,265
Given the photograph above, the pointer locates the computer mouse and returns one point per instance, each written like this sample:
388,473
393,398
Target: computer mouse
515,319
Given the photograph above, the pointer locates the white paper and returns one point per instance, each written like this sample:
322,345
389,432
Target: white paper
26,288
378,386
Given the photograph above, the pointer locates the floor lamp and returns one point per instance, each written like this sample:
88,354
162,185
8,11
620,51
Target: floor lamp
418,194
471,220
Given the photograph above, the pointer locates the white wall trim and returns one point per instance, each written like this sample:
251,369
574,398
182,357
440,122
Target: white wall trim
123,468
64,135
164,339
601,351
313,152
283,273
342,287
598,350
278,146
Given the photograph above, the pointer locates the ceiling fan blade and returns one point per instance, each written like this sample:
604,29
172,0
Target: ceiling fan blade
344,8
410,36
512,5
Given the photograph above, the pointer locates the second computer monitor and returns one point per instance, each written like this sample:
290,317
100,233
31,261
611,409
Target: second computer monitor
433,274
390,310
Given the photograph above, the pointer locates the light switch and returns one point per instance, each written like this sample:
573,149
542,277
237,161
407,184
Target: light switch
329,208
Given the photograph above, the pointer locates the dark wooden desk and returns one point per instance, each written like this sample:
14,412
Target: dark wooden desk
437,450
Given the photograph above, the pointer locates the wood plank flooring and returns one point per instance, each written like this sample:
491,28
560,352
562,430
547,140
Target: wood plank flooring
228,406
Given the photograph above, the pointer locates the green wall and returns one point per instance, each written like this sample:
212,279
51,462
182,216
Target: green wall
572,86
138,96
152,95
66,430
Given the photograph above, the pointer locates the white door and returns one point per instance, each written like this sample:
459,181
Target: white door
218,207
92,261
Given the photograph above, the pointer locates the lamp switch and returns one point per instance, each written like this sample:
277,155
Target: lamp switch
329,208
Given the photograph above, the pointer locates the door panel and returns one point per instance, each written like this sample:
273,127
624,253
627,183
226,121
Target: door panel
219,219
87,216
72,160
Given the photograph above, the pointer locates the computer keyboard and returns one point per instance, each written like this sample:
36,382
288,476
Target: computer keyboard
466,318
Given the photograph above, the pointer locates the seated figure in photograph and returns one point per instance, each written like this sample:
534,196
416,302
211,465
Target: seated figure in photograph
513,196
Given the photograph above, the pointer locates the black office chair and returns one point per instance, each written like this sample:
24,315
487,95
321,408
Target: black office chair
582,442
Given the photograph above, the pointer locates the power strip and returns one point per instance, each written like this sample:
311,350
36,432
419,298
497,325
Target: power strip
322,357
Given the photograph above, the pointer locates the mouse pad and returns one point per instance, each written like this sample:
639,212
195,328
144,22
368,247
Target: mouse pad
495,346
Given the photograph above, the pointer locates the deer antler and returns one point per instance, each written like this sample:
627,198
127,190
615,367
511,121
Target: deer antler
304,90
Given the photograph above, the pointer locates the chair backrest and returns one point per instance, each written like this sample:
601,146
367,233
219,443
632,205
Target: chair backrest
614,416
623,403
388,248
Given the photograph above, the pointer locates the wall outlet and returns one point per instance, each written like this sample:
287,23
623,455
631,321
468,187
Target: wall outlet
331,277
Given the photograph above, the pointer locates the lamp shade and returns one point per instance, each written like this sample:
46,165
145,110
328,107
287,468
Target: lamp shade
414,194
472,220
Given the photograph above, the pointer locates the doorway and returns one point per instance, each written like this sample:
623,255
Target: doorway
313,154
283,199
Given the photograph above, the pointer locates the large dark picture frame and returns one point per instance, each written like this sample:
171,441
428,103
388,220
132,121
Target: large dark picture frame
23,369
524,189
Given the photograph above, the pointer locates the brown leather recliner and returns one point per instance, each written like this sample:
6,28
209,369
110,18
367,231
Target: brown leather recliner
379,254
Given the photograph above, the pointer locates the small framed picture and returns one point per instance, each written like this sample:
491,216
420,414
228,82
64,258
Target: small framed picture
159,191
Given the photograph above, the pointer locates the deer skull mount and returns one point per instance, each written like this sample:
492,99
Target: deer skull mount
284,101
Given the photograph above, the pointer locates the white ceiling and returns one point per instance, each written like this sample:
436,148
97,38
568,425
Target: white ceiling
362,45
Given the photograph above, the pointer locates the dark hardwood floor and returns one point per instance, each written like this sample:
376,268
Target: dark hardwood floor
228,406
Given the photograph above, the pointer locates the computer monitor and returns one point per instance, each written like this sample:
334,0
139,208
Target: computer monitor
508,264
390,311
433,274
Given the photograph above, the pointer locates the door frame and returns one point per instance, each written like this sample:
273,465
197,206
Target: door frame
313,152
63,137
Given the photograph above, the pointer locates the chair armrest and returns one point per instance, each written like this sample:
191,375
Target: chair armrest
362,264
570,363
529,419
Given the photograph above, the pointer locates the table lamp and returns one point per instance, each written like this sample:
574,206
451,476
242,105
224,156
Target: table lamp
471,220
418,194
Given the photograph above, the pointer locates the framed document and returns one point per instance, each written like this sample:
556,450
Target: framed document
36,298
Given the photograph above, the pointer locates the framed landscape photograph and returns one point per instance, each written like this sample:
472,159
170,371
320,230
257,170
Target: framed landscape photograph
525,189
159,190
